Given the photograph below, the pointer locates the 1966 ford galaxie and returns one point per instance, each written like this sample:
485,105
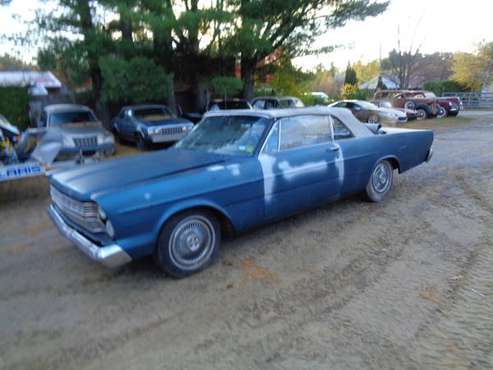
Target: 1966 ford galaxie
235,170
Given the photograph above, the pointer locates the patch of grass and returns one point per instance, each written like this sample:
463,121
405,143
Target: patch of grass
436,123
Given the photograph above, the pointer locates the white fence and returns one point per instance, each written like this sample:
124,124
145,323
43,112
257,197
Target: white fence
474,100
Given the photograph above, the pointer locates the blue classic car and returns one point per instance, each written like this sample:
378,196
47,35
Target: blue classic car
149,124
234,171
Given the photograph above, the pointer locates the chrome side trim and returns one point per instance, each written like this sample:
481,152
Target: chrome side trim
110,256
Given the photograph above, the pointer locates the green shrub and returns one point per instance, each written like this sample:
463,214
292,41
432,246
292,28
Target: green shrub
440,87
134,81
14,105
352,92
224,86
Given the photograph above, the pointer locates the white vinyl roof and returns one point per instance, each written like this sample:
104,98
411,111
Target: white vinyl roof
46,80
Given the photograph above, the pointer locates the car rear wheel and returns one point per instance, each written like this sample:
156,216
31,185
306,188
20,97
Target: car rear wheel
188,243
421,114
380,181
373,118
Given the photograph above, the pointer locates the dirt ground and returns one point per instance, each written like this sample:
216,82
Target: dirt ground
402,284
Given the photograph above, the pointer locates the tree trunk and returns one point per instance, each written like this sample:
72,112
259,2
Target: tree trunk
87,28
247,73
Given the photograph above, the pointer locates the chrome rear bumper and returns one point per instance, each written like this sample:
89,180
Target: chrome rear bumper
429,155
110,256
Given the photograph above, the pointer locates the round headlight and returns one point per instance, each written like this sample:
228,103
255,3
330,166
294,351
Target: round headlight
109,229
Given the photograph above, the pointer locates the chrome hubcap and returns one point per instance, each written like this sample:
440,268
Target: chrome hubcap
381,178
191,242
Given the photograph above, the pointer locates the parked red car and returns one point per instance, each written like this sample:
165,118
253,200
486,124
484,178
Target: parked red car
451,104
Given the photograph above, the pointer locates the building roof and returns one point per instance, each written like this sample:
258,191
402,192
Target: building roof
42,79
387,81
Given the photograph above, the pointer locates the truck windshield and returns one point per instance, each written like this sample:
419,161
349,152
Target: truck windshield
61,118
232,135
152,114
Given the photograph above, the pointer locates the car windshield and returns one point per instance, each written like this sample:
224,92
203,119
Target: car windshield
367,105
152,114
229,104
232,135
61,118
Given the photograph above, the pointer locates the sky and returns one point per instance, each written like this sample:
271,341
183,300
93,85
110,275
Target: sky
434,25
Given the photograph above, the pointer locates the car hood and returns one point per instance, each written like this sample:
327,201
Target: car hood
79,129
163,122
87,181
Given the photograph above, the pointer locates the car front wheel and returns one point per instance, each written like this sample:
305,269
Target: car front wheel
141,142
380,181
441,112
188,243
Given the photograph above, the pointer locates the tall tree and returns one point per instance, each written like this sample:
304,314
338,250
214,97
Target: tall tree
265,26
366,71
350,77
474,70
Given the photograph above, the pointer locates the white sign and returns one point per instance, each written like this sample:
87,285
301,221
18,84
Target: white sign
21,170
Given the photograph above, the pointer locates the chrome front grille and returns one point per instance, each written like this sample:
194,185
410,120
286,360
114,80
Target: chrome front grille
84,214
85,142
172,131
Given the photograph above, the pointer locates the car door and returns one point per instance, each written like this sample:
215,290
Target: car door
300,165
358,111
126,125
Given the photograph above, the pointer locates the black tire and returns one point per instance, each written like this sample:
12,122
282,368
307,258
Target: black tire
410,105
423,113
188,243
380,183
141,142
441,112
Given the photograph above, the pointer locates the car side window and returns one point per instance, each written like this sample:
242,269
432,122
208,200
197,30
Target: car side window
270,104
298,103
259,104
302,131
272,142
340,130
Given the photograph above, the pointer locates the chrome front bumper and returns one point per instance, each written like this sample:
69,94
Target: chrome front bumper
110,256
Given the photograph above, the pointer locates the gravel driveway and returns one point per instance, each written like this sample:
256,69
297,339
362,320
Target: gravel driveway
403,284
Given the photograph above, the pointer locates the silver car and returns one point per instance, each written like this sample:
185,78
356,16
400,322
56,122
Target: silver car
76,131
